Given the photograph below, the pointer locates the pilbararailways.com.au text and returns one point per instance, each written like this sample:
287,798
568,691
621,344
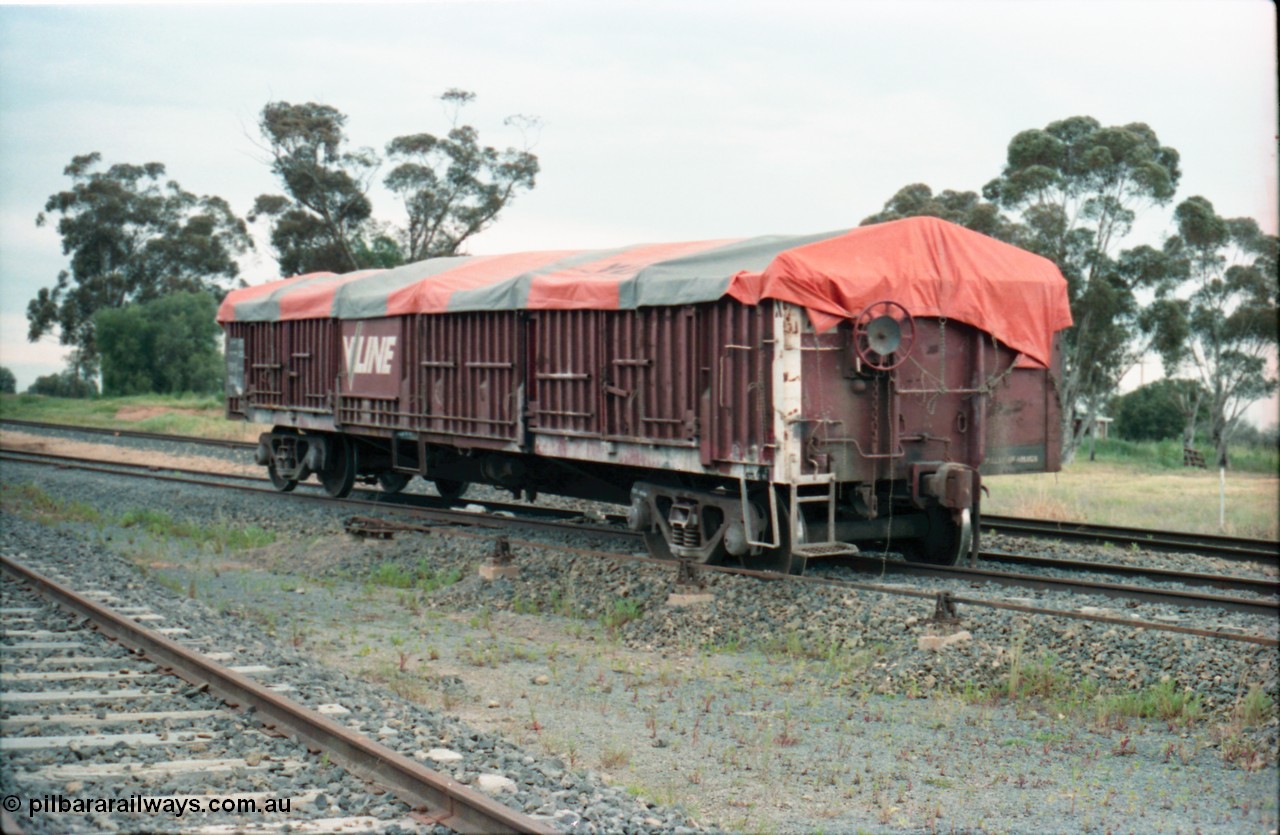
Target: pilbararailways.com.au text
139,804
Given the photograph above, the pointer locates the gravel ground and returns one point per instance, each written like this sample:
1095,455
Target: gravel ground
774,706
541,785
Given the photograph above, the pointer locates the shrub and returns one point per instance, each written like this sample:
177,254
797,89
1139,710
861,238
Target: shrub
64,384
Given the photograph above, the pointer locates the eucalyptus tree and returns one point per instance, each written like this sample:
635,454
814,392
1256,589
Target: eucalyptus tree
317,223
1220,323
452,187
131,236
964,208
168,345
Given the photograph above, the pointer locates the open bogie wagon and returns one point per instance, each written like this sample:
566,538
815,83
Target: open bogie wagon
766,402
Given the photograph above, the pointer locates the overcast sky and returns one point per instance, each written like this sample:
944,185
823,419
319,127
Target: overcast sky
660,121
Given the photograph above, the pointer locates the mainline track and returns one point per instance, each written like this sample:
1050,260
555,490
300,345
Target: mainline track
1249,606
1226,547
225,443
446,801
558,521
1256,585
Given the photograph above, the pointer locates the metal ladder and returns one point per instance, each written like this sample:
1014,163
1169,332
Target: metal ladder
829,547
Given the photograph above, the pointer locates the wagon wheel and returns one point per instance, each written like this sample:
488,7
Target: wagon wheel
340,476
450,488
284,485
883,335
946,540
393,482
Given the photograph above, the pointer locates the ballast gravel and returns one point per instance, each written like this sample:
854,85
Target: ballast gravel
770,707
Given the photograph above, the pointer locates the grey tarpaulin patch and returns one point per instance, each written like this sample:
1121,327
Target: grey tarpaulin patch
367,297
266,308
513,293
705,276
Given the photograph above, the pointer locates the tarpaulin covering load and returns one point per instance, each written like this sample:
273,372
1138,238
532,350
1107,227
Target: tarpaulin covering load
929,266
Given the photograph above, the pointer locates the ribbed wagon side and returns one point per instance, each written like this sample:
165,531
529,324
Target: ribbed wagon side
501,397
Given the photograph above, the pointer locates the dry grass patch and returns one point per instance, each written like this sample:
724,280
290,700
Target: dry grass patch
111,453
1117,494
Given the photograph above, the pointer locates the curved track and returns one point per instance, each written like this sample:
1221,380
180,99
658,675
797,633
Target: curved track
443,800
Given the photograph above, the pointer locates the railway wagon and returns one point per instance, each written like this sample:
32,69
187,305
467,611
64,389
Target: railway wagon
763,401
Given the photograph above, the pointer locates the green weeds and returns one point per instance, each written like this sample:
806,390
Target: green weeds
200,415
421,577
623,611
1255,708
219,535
31,502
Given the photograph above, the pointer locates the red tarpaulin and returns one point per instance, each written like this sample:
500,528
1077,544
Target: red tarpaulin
929,266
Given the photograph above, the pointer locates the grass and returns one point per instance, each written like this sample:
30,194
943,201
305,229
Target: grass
1042,680
1161,701
421,576
221,536
201,415
33,503
1130,485
615,757
1167,455
1255,708
621,612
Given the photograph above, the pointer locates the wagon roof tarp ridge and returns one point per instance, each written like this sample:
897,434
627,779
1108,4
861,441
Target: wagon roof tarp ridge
929,266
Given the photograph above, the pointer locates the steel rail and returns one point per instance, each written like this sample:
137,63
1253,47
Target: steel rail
72,460
479,520
1227,547
407,499
1040,582
1190,578
132,433
1224,546
549,521
446,801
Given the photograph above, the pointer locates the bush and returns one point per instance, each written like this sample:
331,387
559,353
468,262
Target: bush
165,346
65,384
1167,455
1153,412
8,383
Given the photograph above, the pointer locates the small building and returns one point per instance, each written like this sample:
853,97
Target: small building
1100,424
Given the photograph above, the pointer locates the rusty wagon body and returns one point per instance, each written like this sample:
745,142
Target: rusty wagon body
750,399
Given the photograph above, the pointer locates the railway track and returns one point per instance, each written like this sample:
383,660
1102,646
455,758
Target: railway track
1226,547
437,511
111,686
130,433
383,528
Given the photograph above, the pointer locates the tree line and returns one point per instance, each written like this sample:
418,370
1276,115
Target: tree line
148,259
1205,299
